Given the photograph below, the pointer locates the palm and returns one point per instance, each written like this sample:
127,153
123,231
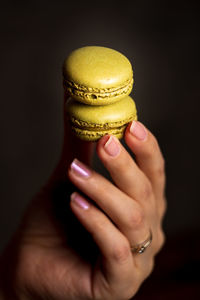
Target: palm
57,263
56,245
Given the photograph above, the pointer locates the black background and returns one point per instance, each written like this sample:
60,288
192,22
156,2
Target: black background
160,38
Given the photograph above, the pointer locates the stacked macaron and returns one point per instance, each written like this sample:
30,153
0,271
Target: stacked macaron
97,82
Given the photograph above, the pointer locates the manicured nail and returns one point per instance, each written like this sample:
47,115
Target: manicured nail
138,130
80,169
112,146
80,201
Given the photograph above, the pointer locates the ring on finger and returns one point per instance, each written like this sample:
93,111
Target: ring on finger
140,248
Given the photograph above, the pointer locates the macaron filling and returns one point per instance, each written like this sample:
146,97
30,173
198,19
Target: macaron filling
94,135
101,126
89,93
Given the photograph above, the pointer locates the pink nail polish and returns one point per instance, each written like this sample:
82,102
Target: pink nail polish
112,146
80,201
80,169
138,130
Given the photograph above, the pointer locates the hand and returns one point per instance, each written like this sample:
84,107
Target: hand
85,252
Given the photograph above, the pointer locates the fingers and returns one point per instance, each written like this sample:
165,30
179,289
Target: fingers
115,248
118,208
123,210
148,155
123,170
105,234
123,272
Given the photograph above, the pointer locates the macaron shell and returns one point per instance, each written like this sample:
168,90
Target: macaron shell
90,123
97,67
97,75
101,116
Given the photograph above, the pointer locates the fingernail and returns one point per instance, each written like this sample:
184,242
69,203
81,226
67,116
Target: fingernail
80,169
80,201
112,146
138,130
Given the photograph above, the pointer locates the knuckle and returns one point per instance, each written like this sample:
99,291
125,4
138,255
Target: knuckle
121,253
146,191
135,219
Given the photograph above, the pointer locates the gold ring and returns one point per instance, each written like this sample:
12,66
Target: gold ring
140,248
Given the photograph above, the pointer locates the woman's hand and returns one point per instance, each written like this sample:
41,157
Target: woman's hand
57,257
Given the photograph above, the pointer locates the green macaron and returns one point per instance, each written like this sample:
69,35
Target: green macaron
97,75
90,122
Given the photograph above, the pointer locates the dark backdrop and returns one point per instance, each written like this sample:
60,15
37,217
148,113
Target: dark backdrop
161,39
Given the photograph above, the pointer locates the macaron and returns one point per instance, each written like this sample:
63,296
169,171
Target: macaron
97,75
90,123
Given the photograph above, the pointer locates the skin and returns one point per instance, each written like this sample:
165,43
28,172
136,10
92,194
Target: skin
64,252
